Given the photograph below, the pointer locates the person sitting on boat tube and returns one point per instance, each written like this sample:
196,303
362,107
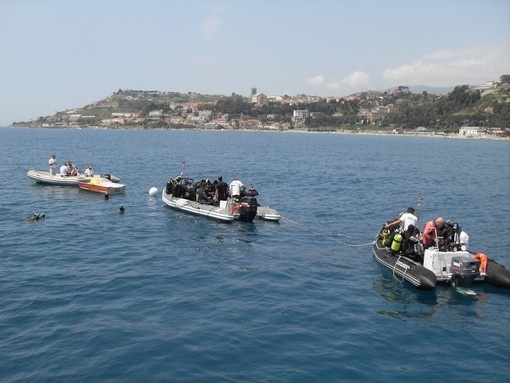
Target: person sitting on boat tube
405,220
53,165
69,166
431,232
64,170
73,170
89,172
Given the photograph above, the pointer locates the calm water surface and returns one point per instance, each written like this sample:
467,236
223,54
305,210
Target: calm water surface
90,295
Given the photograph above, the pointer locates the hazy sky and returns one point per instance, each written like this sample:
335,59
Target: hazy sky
62,54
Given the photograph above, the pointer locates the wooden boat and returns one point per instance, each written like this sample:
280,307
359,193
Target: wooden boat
101,185
49,179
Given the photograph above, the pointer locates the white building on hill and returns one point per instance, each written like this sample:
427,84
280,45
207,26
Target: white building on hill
471,130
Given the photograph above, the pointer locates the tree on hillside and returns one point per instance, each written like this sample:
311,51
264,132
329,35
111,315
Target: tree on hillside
505,79
235,105
403,89
153,106
463,96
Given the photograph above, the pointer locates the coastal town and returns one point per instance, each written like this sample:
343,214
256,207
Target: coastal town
465,111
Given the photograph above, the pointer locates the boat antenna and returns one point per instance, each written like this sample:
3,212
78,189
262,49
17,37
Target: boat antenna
419,204
182,168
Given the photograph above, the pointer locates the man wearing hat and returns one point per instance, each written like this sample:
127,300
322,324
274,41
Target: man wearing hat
89,172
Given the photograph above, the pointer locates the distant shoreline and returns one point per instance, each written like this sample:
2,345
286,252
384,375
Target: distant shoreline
302,131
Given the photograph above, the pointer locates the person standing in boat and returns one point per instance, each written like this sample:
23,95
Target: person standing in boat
178,188
235,188
200,194
432,231
53,165
221,191
405,220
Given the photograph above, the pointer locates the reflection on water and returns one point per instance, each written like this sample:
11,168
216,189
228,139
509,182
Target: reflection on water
415,303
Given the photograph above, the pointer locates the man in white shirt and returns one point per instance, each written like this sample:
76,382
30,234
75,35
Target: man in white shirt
53,165
89,172
464,240
235,187
405,220
64,171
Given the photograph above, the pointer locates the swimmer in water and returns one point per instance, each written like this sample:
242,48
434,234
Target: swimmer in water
36,216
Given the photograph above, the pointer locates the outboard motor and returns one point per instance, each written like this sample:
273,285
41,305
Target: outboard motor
247,209
464,270
251,192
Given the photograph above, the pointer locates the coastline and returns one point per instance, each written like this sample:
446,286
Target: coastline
300,131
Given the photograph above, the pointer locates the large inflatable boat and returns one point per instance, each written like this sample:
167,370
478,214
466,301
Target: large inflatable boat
447,264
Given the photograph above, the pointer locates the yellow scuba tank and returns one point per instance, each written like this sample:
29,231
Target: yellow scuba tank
397,242
385,234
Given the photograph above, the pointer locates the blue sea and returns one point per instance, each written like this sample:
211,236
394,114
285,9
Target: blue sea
155,295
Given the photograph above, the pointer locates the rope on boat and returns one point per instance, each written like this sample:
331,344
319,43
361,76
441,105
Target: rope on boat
395,267
330,237
286,220
323,233
362,244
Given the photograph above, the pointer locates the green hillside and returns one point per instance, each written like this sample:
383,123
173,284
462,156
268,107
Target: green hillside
398,109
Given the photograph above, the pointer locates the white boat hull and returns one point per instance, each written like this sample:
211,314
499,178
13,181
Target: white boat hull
192,207
49,179
267,213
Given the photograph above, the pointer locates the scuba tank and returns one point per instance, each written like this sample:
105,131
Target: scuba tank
397,242
385,234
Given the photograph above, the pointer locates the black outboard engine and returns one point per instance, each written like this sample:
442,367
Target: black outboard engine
251,192
247,209
464,270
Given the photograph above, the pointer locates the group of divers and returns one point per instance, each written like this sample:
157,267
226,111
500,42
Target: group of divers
207,192
402,236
